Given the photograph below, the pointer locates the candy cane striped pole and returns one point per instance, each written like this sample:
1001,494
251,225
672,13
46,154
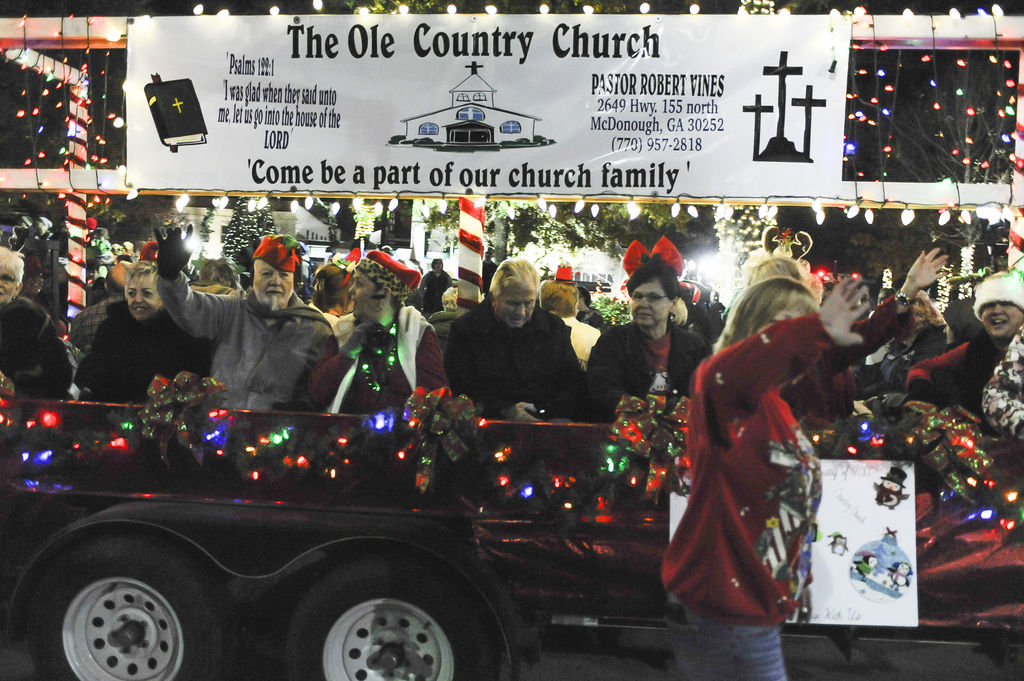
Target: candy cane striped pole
78,230
471,250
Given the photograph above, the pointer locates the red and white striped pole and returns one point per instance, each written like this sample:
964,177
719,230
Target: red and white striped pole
471,250
78,229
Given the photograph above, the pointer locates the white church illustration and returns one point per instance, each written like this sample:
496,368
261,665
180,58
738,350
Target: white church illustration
471,123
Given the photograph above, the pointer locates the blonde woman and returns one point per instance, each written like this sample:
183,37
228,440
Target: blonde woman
137,341
740,558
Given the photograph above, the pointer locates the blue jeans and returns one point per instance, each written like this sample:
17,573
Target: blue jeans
708,650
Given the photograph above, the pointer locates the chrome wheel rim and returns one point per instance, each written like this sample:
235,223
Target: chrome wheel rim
387,638
122,629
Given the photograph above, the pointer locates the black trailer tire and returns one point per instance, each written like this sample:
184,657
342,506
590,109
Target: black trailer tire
390,618
121,609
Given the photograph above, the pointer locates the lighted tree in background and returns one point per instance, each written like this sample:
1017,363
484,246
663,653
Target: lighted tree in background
512,226
245,229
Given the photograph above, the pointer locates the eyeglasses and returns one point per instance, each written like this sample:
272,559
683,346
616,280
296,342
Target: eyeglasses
650,297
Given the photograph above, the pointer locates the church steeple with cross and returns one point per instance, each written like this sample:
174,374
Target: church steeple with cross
474,89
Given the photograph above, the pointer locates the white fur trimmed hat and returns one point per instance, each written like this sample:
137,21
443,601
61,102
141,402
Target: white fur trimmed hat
1004,287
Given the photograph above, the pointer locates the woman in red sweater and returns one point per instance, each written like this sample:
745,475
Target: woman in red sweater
385,349
740,558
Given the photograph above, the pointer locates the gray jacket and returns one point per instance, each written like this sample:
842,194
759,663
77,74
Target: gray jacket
264,357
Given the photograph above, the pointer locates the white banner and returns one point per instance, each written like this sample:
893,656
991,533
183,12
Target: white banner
624,105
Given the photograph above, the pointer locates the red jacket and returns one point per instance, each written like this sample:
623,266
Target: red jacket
826,390
958,376
361,399
741,553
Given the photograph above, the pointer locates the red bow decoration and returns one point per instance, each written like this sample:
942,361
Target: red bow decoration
637,255
440,421
955,446
166,412
650,430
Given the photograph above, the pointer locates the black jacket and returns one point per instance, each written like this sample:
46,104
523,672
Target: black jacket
956,377
618,367
31,353
890,375
497,366
127,353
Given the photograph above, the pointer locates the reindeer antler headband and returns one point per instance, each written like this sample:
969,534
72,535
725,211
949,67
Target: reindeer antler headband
781,242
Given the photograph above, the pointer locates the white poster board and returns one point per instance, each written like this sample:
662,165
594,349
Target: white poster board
864,562
625,105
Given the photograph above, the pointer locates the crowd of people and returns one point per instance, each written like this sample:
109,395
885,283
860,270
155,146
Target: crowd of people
374,329
788,355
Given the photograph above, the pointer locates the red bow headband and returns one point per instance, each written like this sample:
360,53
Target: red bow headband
637,255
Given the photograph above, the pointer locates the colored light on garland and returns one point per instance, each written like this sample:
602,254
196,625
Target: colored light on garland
367,371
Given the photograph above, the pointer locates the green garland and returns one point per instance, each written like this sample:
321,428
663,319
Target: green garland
985,472
440,448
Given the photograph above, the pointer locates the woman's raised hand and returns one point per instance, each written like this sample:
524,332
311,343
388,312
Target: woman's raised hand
848,301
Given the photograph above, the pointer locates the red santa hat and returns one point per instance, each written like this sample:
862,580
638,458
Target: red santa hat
1004,287
383,270
280,251
150,251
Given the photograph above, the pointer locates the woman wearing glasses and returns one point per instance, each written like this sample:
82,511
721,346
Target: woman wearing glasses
651,355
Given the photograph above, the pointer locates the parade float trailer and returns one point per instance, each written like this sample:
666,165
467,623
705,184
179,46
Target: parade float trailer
141,542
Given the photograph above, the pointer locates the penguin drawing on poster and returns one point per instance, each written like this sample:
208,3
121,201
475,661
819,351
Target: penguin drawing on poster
880,570
889,490
838,544
899,574
864,566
